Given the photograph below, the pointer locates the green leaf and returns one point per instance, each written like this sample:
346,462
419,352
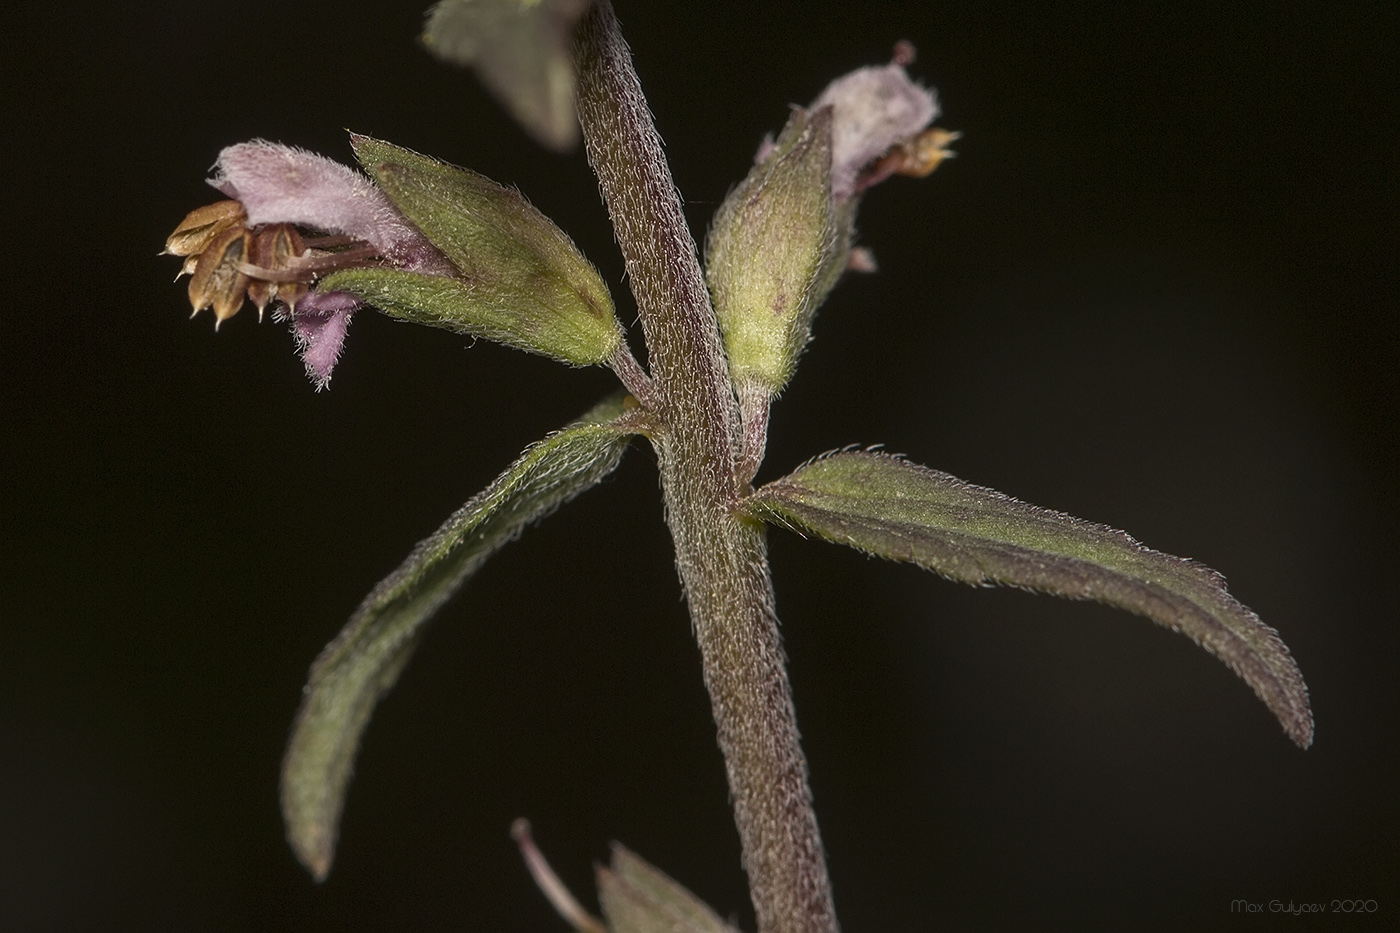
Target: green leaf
898,510
639,898
521,51
357,668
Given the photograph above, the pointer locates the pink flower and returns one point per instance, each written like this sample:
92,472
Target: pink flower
879,126
251,247
281,184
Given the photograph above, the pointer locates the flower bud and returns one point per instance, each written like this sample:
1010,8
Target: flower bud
518,278
777,245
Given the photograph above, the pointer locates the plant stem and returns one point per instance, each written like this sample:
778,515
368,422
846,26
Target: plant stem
722,560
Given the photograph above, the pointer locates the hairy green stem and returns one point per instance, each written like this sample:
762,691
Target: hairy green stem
722,558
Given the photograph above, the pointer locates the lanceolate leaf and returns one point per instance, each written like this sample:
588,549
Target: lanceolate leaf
898,510
362,663
637,897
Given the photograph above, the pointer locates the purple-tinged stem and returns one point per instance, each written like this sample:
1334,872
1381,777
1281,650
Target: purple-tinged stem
722,560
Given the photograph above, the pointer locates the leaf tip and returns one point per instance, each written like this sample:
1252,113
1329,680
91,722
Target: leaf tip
315,854
1299,727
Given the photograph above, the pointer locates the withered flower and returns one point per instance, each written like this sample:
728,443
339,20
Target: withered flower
422,241
252,246
879,120
796,210
227,262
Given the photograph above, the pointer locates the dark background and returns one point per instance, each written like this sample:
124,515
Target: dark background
1155,289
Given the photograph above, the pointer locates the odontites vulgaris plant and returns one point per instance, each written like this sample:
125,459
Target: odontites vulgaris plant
427,242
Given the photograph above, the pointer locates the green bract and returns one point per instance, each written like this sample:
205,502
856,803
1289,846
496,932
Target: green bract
901,511
363,662
520,280
776,248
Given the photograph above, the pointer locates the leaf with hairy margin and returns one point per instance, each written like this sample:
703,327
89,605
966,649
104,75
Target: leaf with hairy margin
360,665
898,510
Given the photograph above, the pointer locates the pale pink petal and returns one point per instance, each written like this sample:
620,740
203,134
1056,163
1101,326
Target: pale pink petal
873,109
319,324
282,184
